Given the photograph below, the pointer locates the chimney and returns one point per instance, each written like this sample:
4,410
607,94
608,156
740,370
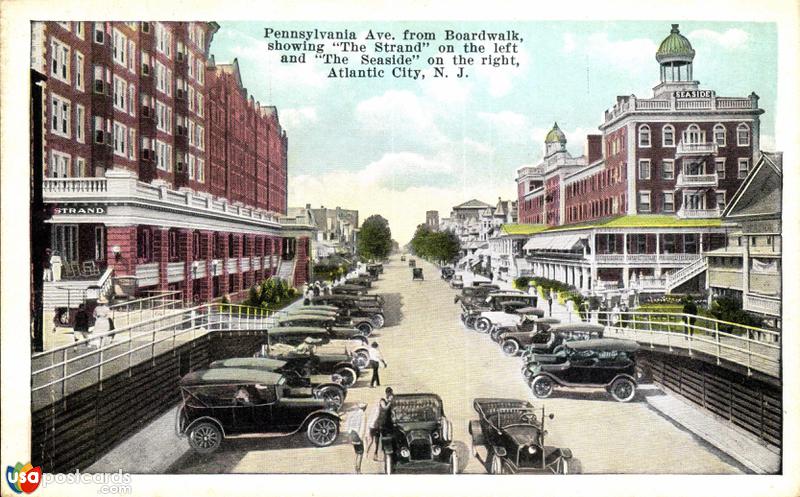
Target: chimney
594,148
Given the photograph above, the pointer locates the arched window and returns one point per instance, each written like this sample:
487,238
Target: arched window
668,136
693,134
644,135
743,135
719,135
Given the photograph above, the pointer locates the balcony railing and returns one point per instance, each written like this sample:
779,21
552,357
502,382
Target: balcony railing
762,304
705,148
697,180
628,104
698,213
646,258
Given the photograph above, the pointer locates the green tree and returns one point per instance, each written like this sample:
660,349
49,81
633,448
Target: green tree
440,246
375,238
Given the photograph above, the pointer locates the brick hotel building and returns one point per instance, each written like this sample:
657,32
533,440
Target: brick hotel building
641,206
158,165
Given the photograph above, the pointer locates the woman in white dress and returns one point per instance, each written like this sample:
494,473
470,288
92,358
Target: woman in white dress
55,265
102,322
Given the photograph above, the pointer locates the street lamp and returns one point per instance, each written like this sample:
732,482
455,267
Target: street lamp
117,251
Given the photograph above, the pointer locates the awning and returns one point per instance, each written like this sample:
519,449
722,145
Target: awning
483,251
554,242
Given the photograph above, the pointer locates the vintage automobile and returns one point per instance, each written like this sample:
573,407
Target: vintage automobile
474,293
342,318
319,336
316,386
473,311
598,362
513,437
417,437
402,258
546,339
533,323
355,306
457,281
375,269
506,314
412,263
346,332
349,289
416,274
342,365
225,403
448,273
362,281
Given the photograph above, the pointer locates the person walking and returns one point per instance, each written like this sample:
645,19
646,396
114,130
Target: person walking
356,424
570,310
55,266
550,304
380,417
102,322
533,292
80,330
48,270
690,309
315,288
375,358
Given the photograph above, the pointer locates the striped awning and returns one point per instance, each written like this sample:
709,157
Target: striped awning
554,242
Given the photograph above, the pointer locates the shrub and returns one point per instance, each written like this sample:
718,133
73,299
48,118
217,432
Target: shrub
522,283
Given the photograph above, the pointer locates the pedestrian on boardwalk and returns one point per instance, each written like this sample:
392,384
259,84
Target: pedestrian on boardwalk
316,289
55,266
690,309
48,270
356,425
80,330
570,309
102,322
533,292
379,420
550,303
326,290
375,358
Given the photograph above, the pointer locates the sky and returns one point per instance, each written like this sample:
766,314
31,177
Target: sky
399,147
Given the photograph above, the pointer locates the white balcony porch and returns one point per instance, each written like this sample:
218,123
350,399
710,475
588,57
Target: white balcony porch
697,180
686,213
685,149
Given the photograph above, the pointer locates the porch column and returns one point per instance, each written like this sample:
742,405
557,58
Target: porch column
626,277
585,278
238,246
223,278
186,253
250,275
207,254
161,254
124,237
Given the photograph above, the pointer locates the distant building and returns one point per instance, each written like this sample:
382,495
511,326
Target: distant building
432,220
337,229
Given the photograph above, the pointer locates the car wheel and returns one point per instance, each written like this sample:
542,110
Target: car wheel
333,396
387,463
361,338
469,322
483,325
542,387
378,320
510,347
623,389
348,376
361,358
364,328
322,431
453,463
496,333
205,437
496,465
573,466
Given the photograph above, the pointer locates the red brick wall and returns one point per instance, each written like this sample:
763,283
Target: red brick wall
161,254
125,238
552,189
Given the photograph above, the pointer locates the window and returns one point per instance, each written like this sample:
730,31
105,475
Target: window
161,77
99,130
80,117
172,244
644,169
132,56
132,144
719,135
120,139
164,117
80,165
201,170
644,201
98,80
59,164
719,167
196,248
120,94
668,136
721,201
145,64
145,27
78,71
59,60
144,244
644,135
191,166
132,100
191,65
668,244
669,202
191,93
744,168
693,135
79,30
99,243
690,243
191,133
163,156
200,104
743,135
668,169
201,72
60,112
119,48
99,33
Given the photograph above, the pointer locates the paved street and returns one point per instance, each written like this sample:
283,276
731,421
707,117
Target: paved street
428,351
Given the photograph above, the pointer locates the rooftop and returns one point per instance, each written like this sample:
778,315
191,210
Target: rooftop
522,229
643,221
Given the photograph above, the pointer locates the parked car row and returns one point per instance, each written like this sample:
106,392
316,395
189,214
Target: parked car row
299,379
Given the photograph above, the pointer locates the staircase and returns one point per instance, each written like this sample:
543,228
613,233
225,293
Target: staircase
70,293
681,276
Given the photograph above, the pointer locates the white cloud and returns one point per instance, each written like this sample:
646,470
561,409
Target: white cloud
732,38
507,124
401,113
297,118
569,42
476,147
625,54
403,170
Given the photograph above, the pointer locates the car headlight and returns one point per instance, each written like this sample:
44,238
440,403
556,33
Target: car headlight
532,450
437,450
404,452
435,434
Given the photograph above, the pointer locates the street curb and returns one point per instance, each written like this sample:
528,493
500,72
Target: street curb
724,437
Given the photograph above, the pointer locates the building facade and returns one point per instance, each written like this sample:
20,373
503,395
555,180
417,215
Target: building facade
645,200
748,267
156,163
432,220
336,229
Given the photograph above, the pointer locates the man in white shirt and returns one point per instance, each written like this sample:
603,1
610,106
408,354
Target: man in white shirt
375,358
